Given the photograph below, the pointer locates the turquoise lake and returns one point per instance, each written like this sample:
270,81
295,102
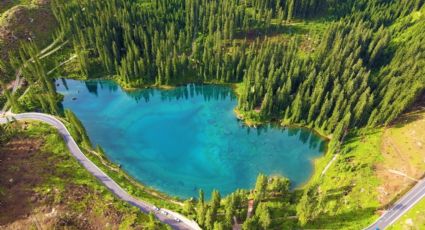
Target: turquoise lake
182,140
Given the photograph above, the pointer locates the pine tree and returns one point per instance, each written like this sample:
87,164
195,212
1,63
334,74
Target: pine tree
260,187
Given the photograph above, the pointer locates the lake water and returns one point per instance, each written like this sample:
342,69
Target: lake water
179,141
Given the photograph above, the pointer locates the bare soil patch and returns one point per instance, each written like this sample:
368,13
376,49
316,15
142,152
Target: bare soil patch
25,23
31,199
17,177
403,152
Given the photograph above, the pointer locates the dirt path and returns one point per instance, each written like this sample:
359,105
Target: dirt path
403,155
329,165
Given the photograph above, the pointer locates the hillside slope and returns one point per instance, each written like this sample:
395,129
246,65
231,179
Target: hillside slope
24,21
43,187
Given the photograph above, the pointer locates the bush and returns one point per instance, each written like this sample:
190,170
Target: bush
3,101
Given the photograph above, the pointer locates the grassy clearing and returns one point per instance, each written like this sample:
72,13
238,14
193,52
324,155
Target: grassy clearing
403,150
135,188
308,32
408,136
359,182
29,21
349,185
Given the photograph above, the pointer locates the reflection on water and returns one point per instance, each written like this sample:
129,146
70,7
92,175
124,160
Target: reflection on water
187,138
178,93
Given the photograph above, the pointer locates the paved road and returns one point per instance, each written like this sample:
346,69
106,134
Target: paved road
185,223
400,207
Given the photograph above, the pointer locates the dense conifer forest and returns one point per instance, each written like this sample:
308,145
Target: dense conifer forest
359,75
364,70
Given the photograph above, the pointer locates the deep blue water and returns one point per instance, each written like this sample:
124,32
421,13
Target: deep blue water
188,138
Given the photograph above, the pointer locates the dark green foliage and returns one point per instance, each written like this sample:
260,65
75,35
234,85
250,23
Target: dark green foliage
365,70
218,226
357,77
41,96
3,100
263,214
11,98
288,9
77,129
7,131
189,207
144,47
355,70
307,208
279,186
260,187
251,223
221,213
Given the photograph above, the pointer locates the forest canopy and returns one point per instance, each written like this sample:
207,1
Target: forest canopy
365,69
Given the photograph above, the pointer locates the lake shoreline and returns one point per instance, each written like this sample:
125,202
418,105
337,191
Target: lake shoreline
323,138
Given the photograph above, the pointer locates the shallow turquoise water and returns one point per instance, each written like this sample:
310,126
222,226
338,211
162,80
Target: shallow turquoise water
181,140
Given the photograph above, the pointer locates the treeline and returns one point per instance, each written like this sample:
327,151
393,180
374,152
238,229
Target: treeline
331,92
166,42
157,42
42,95
359,76
77,129
223,213
351,79
289,9
367,69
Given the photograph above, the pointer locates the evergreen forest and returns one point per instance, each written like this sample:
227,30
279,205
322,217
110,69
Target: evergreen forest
335,66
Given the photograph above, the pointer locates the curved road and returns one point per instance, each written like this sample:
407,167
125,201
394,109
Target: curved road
388,218
184,224
400,207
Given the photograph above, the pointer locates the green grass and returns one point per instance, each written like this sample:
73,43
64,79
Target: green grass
407,138
67,171
349,185
7,4
413,219
135,188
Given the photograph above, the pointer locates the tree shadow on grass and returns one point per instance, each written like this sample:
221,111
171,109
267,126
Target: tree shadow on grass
262,32
358,136
353,219
414,113
409,118
360,218
336,194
